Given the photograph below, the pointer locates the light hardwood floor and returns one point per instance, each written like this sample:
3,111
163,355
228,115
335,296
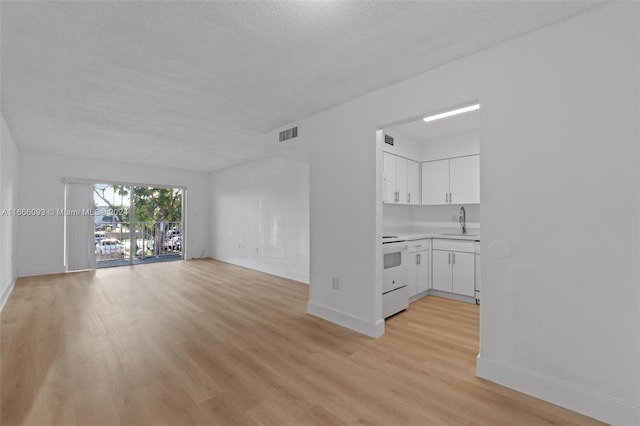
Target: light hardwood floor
204,342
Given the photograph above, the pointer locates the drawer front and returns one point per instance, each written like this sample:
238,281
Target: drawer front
453,245
418,245
395,301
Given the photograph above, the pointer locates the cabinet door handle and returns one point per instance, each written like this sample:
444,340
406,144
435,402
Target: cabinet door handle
454,258
409,198
418,259
449,258
450,199
397,196
446,198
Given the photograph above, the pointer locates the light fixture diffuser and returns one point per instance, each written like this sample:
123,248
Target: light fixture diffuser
451,113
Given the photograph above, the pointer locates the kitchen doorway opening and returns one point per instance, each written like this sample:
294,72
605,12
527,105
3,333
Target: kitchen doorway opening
429,191
137,224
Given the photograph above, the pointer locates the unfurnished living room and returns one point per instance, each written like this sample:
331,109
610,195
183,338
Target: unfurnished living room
319,213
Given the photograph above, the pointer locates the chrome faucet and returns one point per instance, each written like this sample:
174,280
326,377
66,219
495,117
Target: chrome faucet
463,220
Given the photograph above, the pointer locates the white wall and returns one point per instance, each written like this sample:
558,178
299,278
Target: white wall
403,146
8,200
562,137
452,146
559,131
40,242
396,216
260,216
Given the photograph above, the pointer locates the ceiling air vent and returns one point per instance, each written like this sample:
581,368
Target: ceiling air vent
289,134
388,139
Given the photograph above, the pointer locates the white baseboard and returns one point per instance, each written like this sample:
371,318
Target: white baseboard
452,296
584,401
371,329
257,266
6,293
31,271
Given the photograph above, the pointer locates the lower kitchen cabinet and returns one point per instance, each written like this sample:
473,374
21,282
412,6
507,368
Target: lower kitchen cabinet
453,270
464,272
418,272
442,271
418,267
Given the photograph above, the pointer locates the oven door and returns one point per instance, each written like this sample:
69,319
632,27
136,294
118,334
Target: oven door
394,275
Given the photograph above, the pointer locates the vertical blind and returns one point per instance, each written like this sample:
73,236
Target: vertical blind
79,227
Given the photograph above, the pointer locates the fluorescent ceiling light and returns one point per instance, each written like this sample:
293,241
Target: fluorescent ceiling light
452,112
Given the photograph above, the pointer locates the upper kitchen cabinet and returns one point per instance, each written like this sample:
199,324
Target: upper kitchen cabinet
401,180
435,182
389,186
413,182
464,180
451,181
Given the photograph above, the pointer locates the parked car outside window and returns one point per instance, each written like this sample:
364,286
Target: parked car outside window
110,246
173,232
174,243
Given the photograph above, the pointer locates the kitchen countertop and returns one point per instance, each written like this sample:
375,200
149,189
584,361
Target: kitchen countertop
449,234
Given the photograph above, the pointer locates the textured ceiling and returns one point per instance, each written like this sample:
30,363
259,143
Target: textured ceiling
195,84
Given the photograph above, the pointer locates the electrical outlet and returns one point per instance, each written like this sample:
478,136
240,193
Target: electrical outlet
335,283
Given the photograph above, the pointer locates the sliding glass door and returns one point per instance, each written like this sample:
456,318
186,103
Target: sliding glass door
137,224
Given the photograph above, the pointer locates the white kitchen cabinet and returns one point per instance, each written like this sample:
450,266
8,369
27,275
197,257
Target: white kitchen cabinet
413,182
418,267
442,278
422,272
453,267
464,180
389,191
401,180
451,181
478,275
463,274
413,262
435,182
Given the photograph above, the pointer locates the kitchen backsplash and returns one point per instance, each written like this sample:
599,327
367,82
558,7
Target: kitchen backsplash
394,215
403,216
